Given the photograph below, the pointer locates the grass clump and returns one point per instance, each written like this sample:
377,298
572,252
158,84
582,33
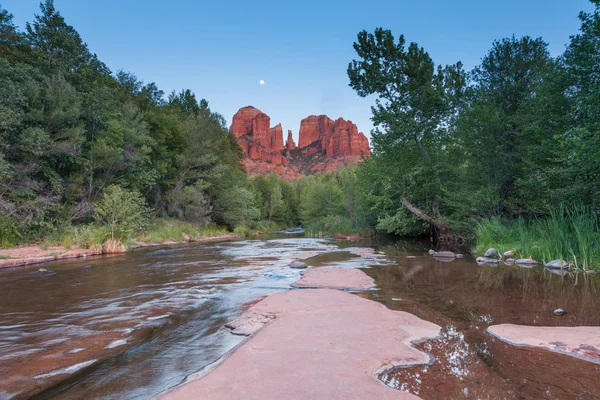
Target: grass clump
567,233
163,230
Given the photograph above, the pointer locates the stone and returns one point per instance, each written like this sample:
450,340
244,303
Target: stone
486,260
334,278
313,344
444,254
559,311
557,264
42,270
491,253
582,342
431,252
458,255
298,264
509,254
526,261
509,261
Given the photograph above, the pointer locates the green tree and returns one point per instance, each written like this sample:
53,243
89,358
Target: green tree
122,210
415,106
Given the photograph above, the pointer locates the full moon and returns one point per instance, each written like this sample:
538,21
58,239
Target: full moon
261,82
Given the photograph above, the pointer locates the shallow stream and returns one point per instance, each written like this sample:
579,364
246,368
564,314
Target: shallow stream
133,325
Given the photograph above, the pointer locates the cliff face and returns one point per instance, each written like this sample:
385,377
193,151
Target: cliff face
324,144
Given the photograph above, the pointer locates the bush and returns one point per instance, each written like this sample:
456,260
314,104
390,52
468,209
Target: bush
122,210
9,231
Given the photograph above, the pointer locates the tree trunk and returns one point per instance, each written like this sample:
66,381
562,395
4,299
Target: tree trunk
443,230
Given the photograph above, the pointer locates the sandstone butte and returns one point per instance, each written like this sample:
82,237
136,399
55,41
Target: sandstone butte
323,145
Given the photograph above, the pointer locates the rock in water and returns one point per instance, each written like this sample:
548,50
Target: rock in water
42,270
485,260
558,264
509,254
298,264
431,252
509,261
526,261
459,255
559,311
491,253
444,254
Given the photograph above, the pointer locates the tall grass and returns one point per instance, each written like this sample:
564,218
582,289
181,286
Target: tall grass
567,233
163,230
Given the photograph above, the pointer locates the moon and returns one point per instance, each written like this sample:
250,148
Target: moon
262,82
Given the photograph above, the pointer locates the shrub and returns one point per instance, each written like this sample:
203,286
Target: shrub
9,231
122,210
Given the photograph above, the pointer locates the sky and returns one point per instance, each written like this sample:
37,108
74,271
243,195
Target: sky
222,49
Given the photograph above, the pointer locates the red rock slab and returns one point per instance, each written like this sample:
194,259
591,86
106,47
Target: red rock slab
334,278
580,341
314,344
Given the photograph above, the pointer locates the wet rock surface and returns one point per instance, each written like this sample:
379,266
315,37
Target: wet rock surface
324,332
334,278
579,341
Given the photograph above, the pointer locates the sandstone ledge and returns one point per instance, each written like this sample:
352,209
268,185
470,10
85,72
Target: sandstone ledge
314,344
582,342
334,278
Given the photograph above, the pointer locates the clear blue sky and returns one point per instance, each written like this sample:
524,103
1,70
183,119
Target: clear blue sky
220,49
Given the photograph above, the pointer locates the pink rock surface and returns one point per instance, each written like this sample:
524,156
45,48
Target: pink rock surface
581,341
334,278
316,344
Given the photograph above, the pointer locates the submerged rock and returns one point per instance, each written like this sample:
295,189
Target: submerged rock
444,254
486,260
509,254
526,261
559,311
298,264
557,264
491,253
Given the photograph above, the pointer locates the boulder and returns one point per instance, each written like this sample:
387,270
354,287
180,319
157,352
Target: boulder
509,254
444,254
491,253
557,264
298,264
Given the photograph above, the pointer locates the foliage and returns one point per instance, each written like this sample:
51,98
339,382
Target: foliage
9,231
122,210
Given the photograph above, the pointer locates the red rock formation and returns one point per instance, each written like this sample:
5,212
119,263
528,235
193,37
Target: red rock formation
290,144
338,137
324,144
277,137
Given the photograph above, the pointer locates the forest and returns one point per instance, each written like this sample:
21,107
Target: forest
506,154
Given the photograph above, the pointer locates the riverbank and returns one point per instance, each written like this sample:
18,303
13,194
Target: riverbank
30,255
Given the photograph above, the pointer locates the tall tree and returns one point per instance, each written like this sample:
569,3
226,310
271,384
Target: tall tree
416,102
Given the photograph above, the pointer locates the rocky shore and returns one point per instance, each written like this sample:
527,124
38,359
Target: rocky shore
31,255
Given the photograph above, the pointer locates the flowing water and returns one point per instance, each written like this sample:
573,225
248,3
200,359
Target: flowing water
133,325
